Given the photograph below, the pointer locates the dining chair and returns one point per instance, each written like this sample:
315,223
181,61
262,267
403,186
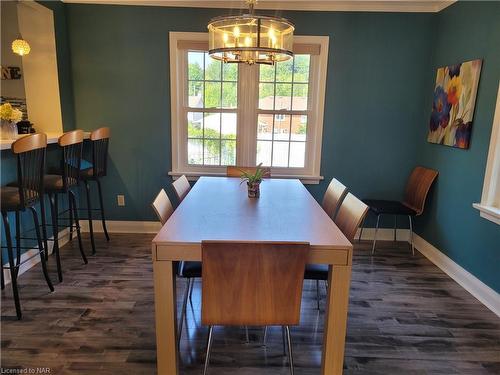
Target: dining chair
188,270
351,213
334,195
95,171
234,171
181,187
252,284
30,154
413,203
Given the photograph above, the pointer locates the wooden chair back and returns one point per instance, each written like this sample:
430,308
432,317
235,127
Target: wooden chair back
233,171
162,206
351,213
72,146
252,283
100,142
181,187
30,153
417,187
333,197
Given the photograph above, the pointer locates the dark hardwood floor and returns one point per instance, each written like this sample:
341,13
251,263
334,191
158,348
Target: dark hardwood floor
405,317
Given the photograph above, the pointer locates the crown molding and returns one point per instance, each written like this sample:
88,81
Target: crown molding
423,6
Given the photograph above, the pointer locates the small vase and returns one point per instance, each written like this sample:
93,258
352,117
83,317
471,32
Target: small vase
8,129
254,190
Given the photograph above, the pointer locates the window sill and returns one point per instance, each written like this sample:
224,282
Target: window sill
488,212
193,176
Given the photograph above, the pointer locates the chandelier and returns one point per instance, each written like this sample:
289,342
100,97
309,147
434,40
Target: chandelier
250,38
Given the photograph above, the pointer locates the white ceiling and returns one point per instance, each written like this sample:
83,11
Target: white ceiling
317,5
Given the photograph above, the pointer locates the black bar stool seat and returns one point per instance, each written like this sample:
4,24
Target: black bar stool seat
11,199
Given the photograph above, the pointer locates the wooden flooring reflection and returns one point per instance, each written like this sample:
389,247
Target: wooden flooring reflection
405,317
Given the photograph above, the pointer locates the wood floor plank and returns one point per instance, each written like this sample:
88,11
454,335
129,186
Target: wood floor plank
405,316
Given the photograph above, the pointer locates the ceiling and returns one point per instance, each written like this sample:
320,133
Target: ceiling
426,6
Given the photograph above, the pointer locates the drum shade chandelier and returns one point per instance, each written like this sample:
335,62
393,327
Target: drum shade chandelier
250,38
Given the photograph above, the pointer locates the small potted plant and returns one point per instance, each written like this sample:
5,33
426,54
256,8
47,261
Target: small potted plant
253,180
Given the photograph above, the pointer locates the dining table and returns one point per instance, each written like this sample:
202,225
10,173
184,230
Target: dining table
218,208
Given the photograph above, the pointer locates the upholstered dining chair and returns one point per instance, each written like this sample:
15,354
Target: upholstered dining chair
413,203
234,171
334,194
252,284
188,270
181,187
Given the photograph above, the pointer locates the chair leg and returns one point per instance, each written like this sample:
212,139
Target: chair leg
13,274
411,235
209,345
2,280
191,292
290,353
395,226
40,248
54,214
284,340
264,339
375,236
247,337
44,227
317,294
361,229
103,219
70,211
89,213
183,312
18,241
77,225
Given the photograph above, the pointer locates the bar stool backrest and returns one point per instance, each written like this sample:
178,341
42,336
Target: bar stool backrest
100,143
72,144
30,153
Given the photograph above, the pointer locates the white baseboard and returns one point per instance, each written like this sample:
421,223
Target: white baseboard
115,226
486,295
63,239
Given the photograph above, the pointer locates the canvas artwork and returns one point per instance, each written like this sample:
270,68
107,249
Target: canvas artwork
453,104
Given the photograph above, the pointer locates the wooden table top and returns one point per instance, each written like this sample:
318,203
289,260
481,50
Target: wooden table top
218,208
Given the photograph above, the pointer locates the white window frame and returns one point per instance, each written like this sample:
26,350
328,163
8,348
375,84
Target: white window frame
490,199
246,113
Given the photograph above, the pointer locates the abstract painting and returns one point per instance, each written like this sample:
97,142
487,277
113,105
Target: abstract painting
453,104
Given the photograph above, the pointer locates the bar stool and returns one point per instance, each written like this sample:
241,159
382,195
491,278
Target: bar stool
71,144
30,153
99,139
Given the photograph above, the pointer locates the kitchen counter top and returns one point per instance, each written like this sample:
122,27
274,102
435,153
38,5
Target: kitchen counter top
5,144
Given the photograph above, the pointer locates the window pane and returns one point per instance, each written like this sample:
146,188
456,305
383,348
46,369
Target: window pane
266,96
212,94
229,95
228,153
195,94
266,73
280,154
299,101
297,154
211,122
212,69
230,72
211,152
299,128
228,125
264,153
283,96
195,151
195,124
284,71
265,127
301,68
282,127
195,66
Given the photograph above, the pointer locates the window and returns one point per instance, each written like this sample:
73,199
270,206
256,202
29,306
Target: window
490,199
237,114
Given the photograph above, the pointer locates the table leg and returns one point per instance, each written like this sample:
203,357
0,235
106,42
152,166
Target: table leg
166,317
339,278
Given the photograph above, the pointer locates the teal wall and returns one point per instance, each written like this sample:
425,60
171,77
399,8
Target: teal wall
120,73
465,31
